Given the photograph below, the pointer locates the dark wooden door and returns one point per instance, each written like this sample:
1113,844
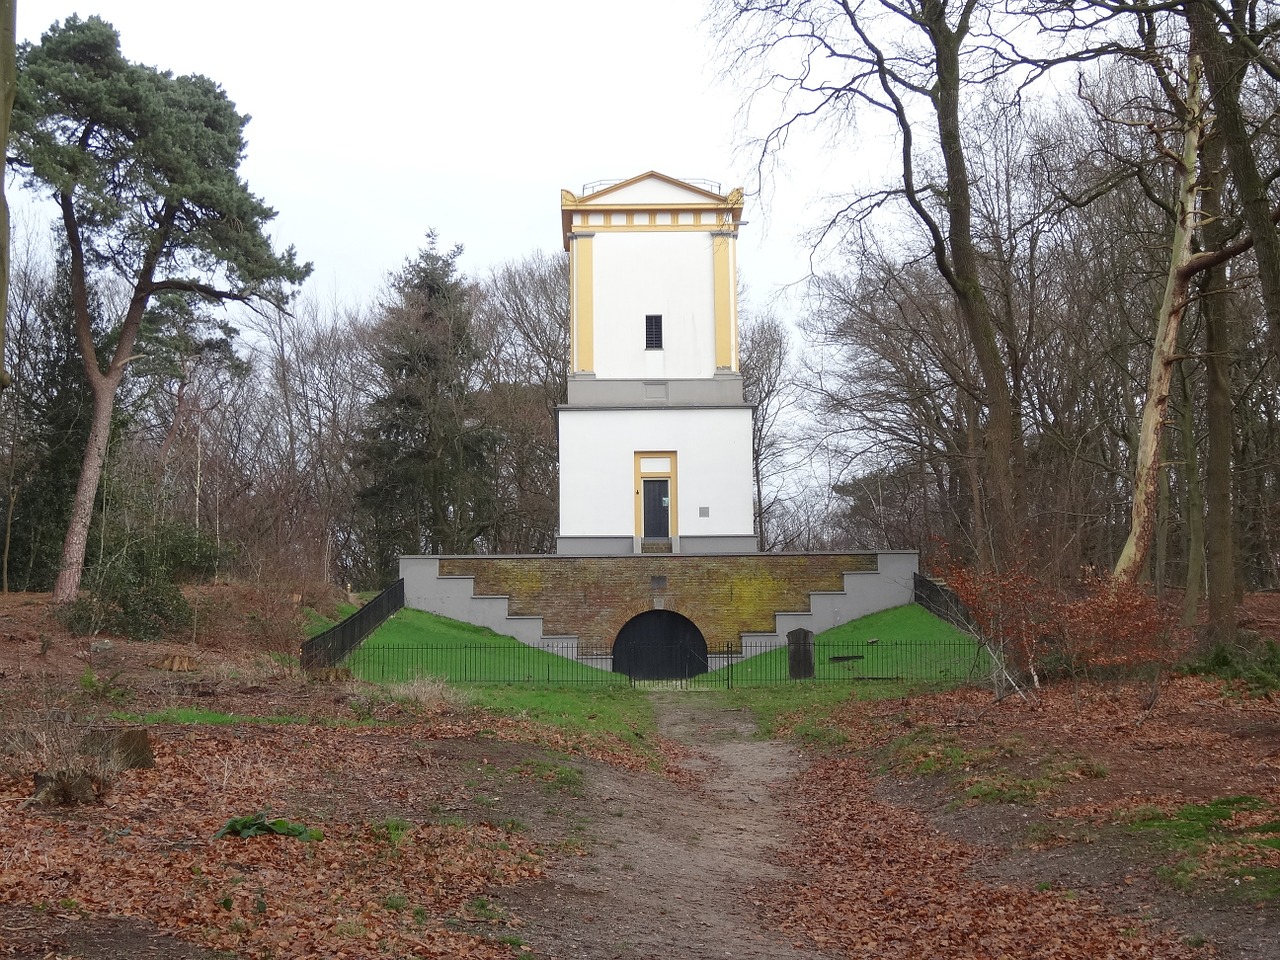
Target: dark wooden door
657,509
660,645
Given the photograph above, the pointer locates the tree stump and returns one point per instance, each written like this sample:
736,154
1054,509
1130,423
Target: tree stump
63,788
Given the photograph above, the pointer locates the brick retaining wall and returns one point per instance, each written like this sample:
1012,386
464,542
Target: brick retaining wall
725,595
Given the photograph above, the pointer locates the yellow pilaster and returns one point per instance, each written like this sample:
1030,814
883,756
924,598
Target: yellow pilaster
583,305
726,297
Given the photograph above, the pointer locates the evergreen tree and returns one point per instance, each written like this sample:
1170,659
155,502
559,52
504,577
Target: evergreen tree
144,167
51,413
425,453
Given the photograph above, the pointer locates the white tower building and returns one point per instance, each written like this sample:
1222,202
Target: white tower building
655,439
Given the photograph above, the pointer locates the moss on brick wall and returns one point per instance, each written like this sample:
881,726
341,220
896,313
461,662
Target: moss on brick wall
593,597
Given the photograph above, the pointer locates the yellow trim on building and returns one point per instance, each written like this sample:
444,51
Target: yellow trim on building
582,305
670,475
725,303
643,224
725,211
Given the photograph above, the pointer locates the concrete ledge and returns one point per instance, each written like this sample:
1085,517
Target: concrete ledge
725,389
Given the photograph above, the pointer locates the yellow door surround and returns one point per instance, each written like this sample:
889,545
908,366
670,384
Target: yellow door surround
656,465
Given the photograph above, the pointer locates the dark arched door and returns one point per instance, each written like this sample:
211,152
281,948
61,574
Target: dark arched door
660,645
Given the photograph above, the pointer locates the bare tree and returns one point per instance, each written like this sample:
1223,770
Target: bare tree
833,59
769,384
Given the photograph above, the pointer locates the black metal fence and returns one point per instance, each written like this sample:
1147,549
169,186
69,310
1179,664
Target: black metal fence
942,602
329,648
961,660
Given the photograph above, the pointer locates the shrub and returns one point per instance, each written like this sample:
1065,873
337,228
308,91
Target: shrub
1256,666
53,746
1039,629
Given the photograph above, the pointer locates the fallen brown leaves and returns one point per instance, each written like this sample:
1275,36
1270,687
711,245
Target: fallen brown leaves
362,891
1201,740
879,881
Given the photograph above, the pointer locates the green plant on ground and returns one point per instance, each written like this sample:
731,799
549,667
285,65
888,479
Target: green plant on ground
314,622
483,909
108,689
257,825
287,664
392,830
1226,842
199,715
777,707
554,777
925,750
1257,666
1006,788
394,902
1076,768
351,929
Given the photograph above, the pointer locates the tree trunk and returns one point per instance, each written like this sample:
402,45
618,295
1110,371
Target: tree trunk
1193,501
103,386
8,87
1160,561
1225,67
1133,556
1220,549
1002,494
67,586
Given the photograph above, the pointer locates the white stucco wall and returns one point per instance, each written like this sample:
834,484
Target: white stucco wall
713,469
668,273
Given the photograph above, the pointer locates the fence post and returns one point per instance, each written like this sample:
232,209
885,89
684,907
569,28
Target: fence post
800,654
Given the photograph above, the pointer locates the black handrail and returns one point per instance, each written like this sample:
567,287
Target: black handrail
329,648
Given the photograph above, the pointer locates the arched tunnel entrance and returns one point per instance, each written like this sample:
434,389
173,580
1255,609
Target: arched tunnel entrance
660,645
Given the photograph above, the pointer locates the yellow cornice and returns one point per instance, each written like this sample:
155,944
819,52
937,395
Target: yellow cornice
570,203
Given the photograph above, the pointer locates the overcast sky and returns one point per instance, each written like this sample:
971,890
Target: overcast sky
370,129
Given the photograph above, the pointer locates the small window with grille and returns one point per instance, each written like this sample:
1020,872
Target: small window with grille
653,331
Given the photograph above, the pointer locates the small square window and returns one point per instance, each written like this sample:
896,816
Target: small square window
653,331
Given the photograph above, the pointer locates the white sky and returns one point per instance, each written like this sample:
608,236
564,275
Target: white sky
372,127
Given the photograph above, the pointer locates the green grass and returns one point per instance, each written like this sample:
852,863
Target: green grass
906,643
214,718
1192,830
777,706
315,622
803,709
623,711
415,643
554,777
1256,666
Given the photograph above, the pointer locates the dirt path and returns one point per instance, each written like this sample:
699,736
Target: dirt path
676,871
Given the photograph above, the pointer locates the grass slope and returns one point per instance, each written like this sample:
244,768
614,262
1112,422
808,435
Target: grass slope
413,643
902,643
